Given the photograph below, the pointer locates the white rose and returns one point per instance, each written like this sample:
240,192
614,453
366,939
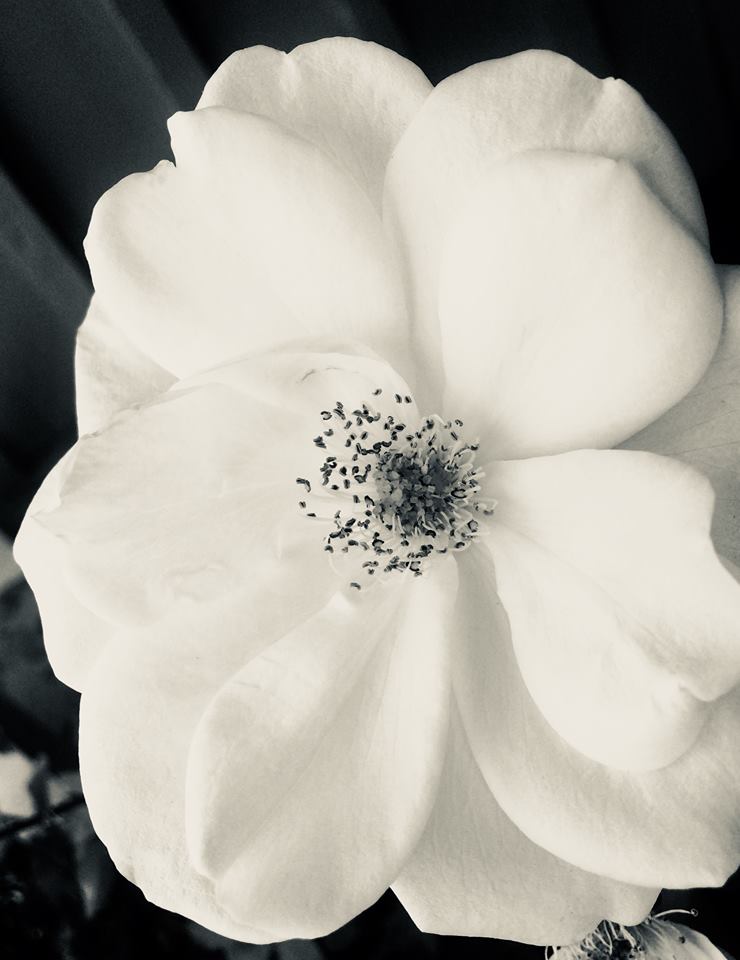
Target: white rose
540,729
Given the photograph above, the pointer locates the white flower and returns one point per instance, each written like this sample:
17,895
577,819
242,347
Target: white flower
538,731
655,939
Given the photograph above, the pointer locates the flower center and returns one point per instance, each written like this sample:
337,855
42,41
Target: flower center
395,493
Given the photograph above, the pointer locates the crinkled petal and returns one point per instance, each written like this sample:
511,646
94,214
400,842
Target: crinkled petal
110,372
704,429
624,622
314,769
530,101
73,635
254,238
140,706
474,873
574,308
674,827
352,98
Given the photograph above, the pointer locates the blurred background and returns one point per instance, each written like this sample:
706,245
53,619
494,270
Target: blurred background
85,89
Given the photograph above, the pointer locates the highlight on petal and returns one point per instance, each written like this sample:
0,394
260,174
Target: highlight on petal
254,238
662,828
73,635
624,621
353,99
314,769
474,873
704,428
574,308
534,100
110,372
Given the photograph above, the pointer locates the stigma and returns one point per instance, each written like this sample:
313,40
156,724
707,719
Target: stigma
394,493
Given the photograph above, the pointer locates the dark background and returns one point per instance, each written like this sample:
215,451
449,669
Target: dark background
85,89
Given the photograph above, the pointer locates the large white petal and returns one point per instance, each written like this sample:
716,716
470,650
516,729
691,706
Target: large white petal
313,771
624,621
474,873
140,706
674,827
255,237
574,308
180,501
704,429
110,372
352,98
530,101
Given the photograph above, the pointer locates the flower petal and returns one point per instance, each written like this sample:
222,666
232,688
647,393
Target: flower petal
350,97
565,287
530,101
665,938
674,827
474,873
254,238
624,621
314,769
139,709
73,635
178,502
704,429
110,372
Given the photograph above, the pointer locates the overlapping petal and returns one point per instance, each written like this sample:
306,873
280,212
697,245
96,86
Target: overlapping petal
201,263
474,873
111,374
624,622
138,713
678,826
208,506
353,99
704,429
574,308
533,100
73,634
313,770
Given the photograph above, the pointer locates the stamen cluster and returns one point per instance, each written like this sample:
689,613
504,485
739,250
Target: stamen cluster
396,493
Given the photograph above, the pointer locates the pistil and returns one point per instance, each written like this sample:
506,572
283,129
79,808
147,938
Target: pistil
395,493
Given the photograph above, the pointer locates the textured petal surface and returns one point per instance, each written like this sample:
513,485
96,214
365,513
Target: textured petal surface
110,372
73,634
314,769
351,98
674,827
624,622
139,710
178,502
530,101
704,429
574,309
475,874
255,237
